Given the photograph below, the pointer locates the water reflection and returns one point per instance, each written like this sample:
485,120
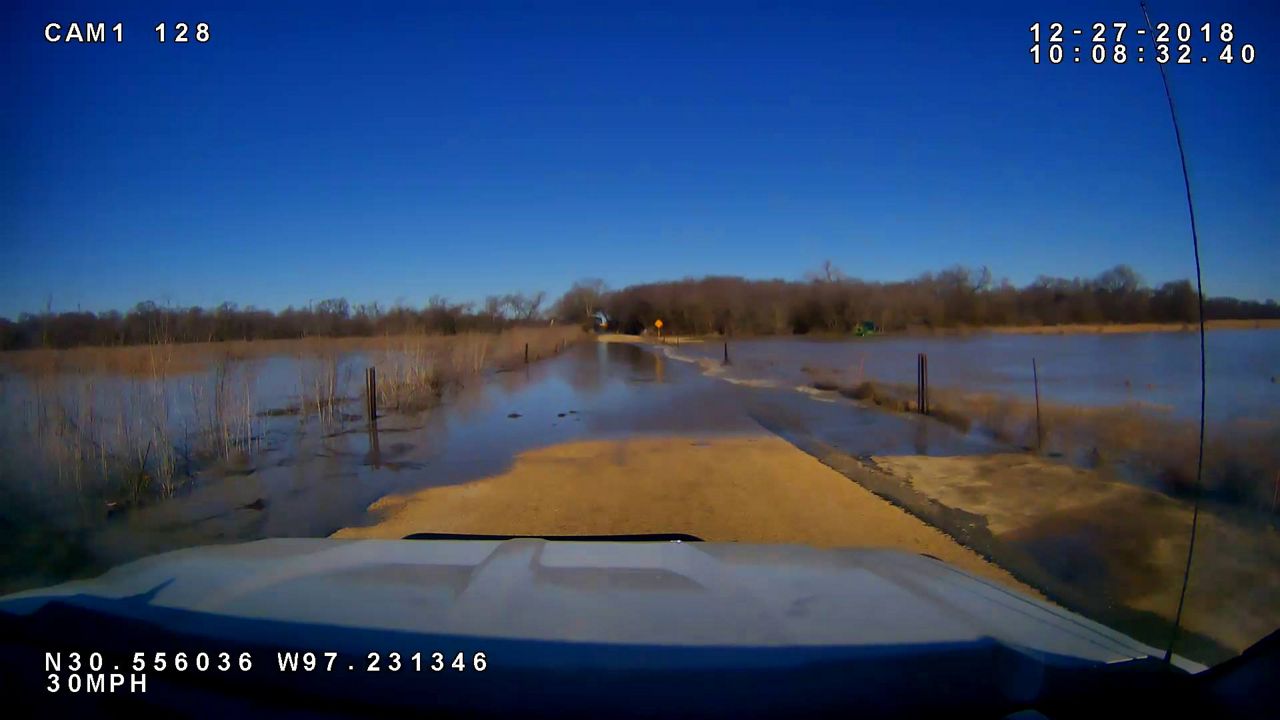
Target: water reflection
374,456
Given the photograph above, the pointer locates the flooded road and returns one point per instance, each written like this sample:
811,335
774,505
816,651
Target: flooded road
309,480
1097,545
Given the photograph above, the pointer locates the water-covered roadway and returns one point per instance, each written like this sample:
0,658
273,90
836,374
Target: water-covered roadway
1103,547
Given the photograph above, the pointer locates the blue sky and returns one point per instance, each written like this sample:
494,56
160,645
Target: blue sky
395,151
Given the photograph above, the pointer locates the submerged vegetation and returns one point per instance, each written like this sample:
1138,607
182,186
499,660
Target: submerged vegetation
90,430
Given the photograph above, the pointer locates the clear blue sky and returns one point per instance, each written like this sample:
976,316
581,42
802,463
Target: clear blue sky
394,151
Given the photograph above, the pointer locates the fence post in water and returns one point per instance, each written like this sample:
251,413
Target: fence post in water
922,383
526,353
726,352
371,394
1035,378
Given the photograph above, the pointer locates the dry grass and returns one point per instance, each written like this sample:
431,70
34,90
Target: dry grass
182,358
90,431
414,372
133,360
106,441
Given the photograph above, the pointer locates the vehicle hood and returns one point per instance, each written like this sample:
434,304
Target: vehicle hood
642,593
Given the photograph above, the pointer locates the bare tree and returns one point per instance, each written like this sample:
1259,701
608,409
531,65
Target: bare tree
581,301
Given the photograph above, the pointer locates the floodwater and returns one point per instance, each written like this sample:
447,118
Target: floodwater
309,478
1158,370
310,481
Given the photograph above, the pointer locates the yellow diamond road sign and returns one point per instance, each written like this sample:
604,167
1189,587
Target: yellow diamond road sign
657,324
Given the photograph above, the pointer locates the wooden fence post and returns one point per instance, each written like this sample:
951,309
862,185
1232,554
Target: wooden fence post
922,383
371,393
726,352
1035,378
526,353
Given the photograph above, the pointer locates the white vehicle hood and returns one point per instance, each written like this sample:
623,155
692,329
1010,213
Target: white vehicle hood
642,593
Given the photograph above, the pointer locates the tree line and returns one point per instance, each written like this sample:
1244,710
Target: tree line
828,301
149,323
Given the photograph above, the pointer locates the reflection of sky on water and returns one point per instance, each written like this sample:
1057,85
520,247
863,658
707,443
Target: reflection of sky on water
1155,368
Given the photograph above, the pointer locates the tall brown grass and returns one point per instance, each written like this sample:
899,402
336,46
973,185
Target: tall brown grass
90,431
108,427
116,440
415,372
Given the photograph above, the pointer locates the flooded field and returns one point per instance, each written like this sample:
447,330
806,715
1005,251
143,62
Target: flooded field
1158,370
279,446
1129,402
